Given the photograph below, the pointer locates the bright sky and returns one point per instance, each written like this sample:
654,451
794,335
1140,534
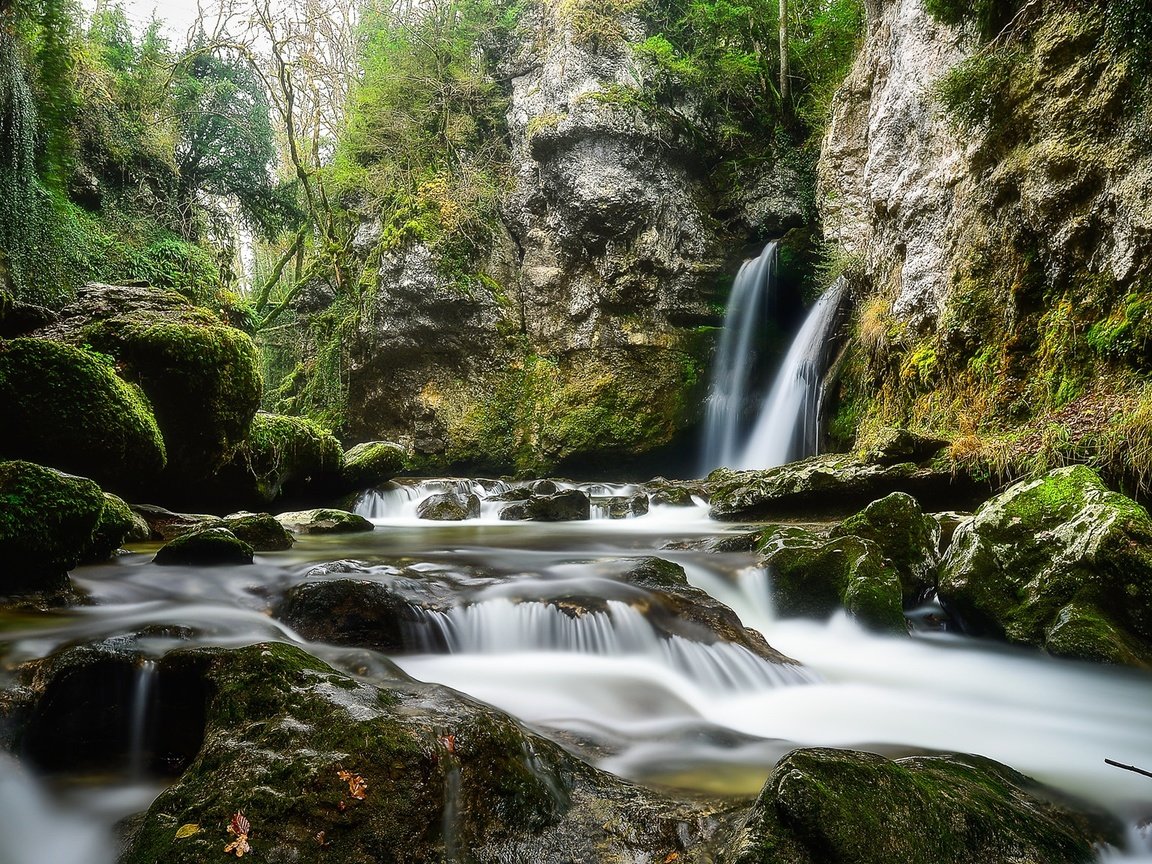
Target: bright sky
179,14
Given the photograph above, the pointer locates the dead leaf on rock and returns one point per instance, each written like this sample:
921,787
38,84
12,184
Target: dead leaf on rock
239,827
187,830
357,785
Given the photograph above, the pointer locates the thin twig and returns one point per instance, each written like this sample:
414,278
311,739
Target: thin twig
1131,768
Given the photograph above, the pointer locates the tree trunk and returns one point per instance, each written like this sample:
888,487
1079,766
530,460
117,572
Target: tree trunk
785,83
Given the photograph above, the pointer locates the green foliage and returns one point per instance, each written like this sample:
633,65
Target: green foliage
988,16
976,91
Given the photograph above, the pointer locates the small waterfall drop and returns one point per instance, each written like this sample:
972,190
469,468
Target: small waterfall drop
788,427
731,387
138,733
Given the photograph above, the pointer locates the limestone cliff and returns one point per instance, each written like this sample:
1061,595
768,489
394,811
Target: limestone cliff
995,193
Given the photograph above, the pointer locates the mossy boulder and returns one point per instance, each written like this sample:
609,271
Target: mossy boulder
117,524
282,458
907,537
813,577
214,546
831,485
261,531
324,520
449,507
824,805
624,506
570,505
47,523
1060,562
439,777
67,408
200,375
372,463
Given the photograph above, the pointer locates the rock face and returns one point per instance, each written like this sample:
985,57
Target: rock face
839,805
1060,562
584,343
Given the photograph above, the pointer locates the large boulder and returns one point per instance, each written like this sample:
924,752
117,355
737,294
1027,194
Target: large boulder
842,806
1060,562
814,577
372,463
163,524
570,505
215,546
66,407
831,485
47,523
282,458
261,531
117,525
201,376
324,520
908,538
449,507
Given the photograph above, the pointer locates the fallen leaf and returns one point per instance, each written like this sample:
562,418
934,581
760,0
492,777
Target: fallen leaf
448,742
239,846
671,856
239,827
187,830
357,785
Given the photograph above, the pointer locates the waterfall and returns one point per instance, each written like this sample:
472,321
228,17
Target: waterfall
788,426
138,731
731,387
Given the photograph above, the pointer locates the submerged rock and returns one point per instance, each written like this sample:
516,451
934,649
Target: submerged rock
47,523
824,805
206,547
626,506
814,577
829,485
261,531
67,408
571,505
324,521
372,463
449,507
1060,562
906,536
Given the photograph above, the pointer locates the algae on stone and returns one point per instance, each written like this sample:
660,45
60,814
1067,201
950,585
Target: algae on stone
907,537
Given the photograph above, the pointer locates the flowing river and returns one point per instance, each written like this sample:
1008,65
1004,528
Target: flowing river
668,712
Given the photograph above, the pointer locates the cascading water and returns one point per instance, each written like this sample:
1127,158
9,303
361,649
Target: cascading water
138,732
732,387
788,427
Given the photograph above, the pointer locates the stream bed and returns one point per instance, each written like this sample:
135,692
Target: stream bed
672,713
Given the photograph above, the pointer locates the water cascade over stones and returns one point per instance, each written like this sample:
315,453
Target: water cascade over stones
788,427
732,390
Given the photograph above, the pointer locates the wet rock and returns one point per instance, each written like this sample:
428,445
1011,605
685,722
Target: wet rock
544,487
117,525
516,493
449,507
567,506
626,506
68,408
439,773
824,805
261,531
20,319
830,485
324,521
949,521
282,458
200,375
674,493
1060,562
814,577
894,446
166,525
206,547
372,463
384,616
47,523
908,538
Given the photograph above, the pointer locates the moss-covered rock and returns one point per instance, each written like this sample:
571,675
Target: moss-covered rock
372,463
163,524
831,485
837,805
813,577
117,525
47,521
570,505
18,318
261,531
449,507
282,458
1060,562
439,777
355,612
907,537
207,547
201,376
67,407
324,520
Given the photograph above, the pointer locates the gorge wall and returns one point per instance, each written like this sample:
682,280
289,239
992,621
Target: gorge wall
992,190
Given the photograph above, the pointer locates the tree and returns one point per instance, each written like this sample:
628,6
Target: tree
785,83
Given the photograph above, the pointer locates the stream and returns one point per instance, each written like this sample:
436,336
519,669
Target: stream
667,712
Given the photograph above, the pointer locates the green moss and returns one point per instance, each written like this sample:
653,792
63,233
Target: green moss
283,457
68,408
372,463
905,535
113,528
213,545
47,520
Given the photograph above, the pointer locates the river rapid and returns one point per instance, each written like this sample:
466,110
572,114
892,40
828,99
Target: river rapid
667,712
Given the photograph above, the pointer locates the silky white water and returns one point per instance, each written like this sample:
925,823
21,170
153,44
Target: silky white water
733,388
788,427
